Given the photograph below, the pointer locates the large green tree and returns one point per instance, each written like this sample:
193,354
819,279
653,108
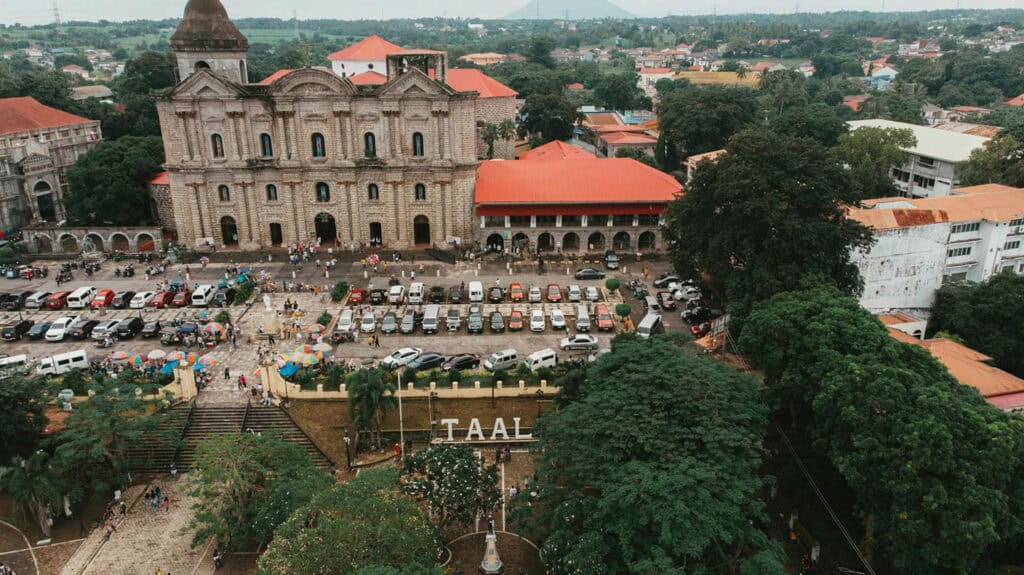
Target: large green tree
246,485
551,116
698,119
978,312
371,394
453,481
870,154
818,121
1000,161
114,173
619,91
362,526
22,418
767,217
623,476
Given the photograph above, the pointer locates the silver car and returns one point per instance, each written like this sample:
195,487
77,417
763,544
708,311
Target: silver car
369,323
579,342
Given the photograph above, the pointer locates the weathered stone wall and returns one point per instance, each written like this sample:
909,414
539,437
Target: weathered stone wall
162,205
67,240
494,111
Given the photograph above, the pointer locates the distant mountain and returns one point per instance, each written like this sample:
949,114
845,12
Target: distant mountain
573,9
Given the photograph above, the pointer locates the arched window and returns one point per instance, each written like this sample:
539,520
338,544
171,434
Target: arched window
201,65
224,193
266,146
417,144
271,193
323,192
421,192
217,143
370,145
319,151
373,191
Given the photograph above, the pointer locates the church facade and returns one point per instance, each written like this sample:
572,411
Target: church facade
310,155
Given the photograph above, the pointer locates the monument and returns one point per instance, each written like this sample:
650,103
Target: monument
491,565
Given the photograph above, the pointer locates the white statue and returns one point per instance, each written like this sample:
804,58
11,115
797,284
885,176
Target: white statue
267,303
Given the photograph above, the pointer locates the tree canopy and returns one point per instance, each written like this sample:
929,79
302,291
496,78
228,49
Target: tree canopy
1000,160
621,92
870,154
22,403
551,116
700,119
114,173
625,467
452,480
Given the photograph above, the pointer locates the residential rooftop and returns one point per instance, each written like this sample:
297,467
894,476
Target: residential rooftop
942,145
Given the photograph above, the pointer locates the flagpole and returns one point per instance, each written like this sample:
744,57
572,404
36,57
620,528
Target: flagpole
401,422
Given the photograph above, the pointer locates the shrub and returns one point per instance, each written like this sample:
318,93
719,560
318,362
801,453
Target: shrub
546,374
622,309
523,372
244,292
306,379
339,291
499,375
454,376
222,317
612,284
409,375
324,319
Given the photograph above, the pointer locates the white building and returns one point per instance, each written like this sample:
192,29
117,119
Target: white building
921,243
932,171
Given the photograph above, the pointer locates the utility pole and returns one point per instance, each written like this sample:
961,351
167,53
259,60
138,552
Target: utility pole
56,18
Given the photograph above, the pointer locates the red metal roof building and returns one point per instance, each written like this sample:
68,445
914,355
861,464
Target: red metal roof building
587,204
556,150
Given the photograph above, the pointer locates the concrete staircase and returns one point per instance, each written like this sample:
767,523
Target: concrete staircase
206,422
264,419
156,451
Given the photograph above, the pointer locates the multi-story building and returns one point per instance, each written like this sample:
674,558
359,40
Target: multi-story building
560,198
920,243
932,170
311,154
37,145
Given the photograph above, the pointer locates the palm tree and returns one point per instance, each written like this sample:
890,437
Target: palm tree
370,395
32,487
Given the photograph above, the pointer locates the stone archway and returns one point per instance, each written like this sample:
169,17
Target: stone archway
621,241
647,241
68,244
376,234
228,231
44,244
119,243
326,228
520,241
145,243
45,202
545,242
571,242
595,242
421,231
495,243
97,241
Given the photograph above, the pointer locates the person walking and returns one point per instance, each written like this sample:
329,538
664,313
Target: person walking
167,504
227,374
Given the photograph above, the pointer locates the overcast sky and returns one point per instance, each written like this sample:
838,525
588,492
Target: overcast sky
41,12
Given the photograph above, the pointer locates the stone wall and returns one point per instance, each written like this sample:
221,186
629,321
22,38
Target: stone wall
494,111
68,240
162,205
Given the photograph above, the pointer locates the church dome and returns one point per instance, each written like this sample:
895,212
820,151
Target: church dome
207,28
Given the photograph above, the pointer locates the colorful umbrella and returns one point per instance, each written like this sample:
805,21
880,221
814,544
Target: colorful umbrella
204,260
304,349
324,347
137,359
306,360
189,357
257,372
317,328
208,360
157,354
213,328
118,356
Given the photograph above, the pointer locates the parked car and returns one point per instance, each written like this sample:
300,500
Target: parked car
554,293
557,319
38,330
697,314
436,294
578,342
515,321
497,322
151,329
515,292
37,300
141,299
401,357
129,328
426,360
574,293
57,300
356,296
460,362
83,329
665,279
161,299
495,295
475,322
604,319
686,293
591,293
611,260
455,294
122,299
453,319
60,328
369,323
16,329
534,295
378,296
104,329
666,301
389,323
589,274
223,297
16,301
182,298
701,329
537,322
409,321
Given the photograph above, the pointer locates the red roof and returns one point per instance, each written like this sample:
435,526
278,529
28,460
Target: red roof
1018,101
160,179
575,86
371,49
556,150
584,181
472,80
368,78
26,114
276,76
647,71
628,138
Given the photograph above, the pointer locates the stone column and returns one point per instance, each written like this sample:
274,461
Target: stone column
236,134
184,128
199,140
438,149
289,122
400,216
339,121
196,204
349,137
281,137
247,209
350,207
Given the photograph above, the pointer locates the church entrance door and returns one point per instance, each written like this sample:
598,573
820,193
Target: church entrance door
326,229
421,231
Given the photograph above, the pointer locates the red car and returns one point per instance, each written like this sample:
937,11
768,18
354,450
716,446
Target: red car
356,297
181,299
701,329
604,319
515,321
162,299
515,292
666,301
554,293
57,300
102,299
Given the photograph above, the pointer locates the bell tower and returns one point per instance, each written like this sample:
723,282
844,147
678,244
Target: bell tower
207,38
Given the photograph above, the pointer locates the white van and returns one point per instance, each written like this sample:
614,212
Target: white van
582,318
81,297
396,295
431,318
416,293
650,325
505,359
540,359
651,306
37,300
63,363
345,321
10,366
476,292
203,296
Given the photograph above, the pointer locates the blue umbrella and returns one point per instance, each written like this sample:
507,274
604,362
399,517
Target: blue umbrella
288,369
168,367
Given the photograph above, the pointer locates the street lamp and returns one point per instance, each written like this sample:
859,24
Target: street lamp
348,456
401,423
